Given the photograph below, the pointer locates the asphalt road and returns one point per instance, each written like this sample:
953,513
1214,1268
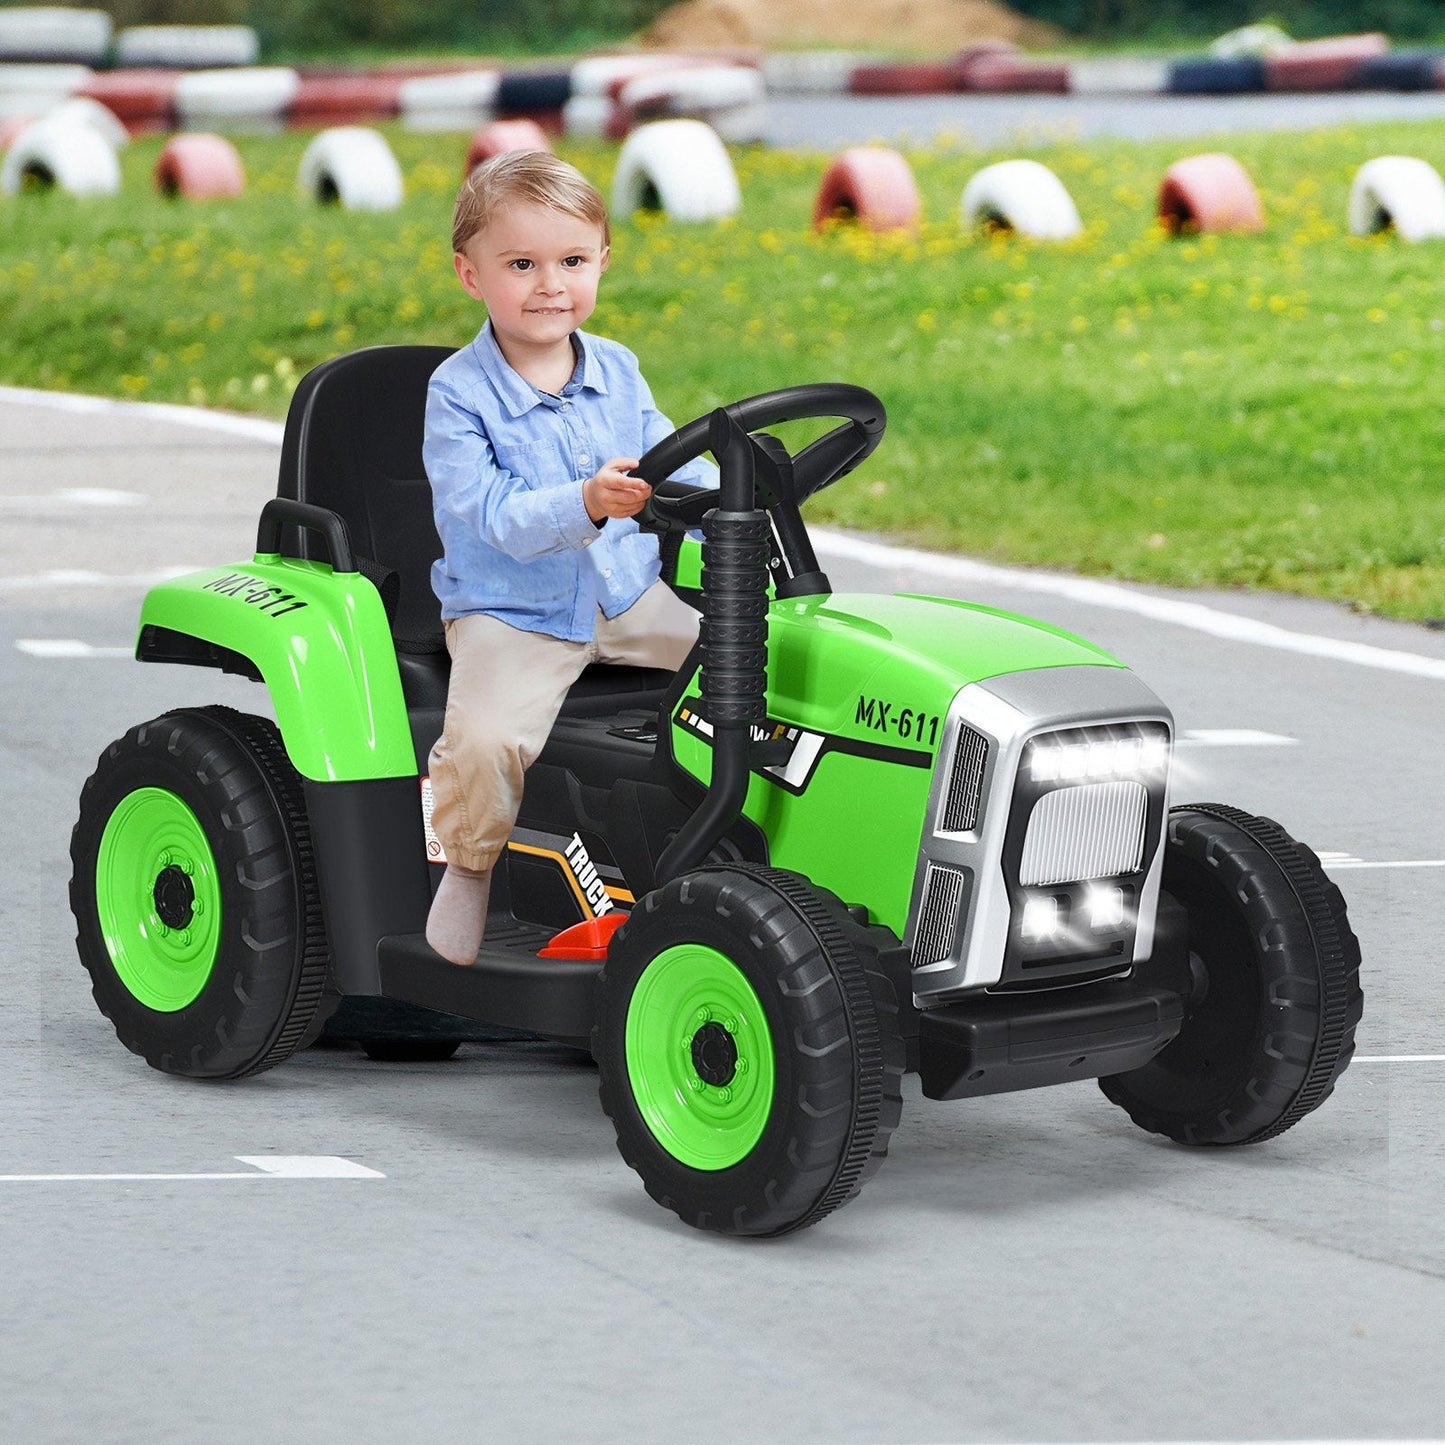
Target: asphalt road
1027,1267
827,121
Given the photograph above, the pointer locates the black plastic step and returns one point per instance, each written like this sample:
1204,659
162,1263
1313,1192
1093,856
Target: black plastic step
508,985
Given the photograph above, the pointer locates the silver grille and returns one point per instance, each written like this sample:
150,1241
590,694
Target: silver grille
1092,831
941,914
965,785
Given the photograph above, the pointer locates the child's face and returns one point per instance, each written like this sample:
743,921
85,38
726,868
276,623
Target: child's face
536,270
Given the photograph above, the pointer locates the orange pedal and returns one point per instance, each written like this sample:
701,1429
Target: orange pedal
586,940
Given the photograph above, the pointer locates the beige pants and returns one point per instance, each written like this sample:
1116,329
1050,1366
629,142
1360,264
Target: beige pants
506,689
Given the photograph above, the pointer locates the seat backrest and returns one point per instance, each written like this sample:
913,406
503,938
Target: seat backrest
353,444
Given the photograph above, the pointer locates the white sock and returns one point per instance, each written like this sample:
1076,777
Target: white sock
458,915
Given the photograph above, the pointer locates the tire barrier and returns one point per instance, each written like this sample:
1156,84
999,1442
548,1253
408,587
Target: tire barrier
329,100
678,167
605,75
1202,76
462,100
594,117
502,136
31,90
914,79
187,47
143,100
1402,70
811,72
529,92
1124,75
872,185
1399,191
352,167
61,154
11,126
251,98
1012,75
1322,64
1209,193
1250,40
730,98
49,33
82,110
1022,196
199,167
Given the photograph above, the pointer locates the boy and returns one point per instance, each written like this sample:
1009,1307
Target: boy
543,569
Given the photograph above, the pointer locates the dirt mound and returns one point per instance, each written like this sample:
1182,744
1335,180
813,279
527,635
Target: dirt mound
923,25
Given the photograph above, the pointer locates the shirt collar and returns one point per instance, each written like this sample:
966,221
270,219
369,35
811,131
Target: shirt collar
520,396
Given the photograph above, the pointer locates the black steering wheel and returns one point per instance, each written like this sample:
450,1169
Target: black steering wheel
784,481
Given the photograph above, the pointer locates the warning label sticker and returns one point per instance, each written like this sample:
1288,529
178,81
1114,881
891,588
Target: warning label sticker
434,851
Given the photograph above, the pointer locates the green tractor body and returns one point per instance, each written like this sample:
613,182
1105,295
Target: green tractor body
855,835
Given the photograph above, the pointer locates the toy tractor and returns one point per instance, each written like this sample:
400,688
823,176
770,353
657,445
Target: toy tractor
854,836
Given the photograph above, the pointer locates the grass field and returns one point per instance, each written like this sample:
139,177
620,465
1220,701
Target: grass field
1237,411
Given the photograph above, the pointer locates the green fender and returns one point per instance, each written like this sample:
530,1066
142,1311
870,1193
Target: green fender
321,643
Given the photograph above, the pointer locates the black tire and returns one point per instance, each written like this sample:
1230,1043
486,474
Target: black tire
256,999
1270,1026
410,1051
831,1033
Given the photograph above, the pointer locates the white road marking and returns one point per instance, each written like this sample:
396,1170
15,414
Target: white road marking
1332,861
66,647
266,1166
71,497
82,577
255,427
1233,738
1193,615
1399,1059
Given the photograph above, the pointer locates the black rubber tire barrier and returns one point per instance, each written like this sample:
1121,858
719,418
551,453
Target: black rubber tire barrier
270,970
1402,70
838,1054
1216,77
1273,1027
543,90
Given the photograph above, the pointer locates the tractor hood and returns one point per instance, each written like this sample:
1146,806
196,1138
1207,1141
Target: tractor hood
861,665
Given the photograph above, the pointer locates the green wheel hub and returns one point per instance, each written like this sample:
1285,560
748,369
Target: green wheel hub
158,896
700,1057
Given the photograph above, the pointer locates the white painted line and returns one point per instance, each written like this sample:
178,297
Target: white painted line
71,497
1193,615
267,1166
1331,864
310,1166
1399,1059
81,577
66,647
1233,738
255,427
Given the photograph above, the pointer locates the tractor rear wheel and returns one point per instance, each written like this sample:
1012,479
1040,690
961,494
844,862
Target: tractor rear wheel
1270,1025
195,896
748,1045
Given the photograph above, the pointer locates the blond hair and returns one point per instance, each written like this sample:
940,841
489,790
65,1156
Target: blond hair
526,178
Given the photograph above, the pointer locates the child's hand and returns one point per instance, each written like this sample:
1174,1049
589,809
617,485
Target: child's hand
612,493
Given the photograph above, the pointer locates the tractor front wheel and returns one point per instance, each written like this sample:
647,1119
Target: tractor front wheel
748,1045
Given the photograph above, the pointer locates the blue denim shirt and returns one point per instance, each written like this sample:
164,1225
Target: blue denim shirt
506,463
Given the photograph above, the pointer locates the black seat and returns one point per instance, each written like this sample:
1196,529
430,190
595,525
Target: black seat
353,444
